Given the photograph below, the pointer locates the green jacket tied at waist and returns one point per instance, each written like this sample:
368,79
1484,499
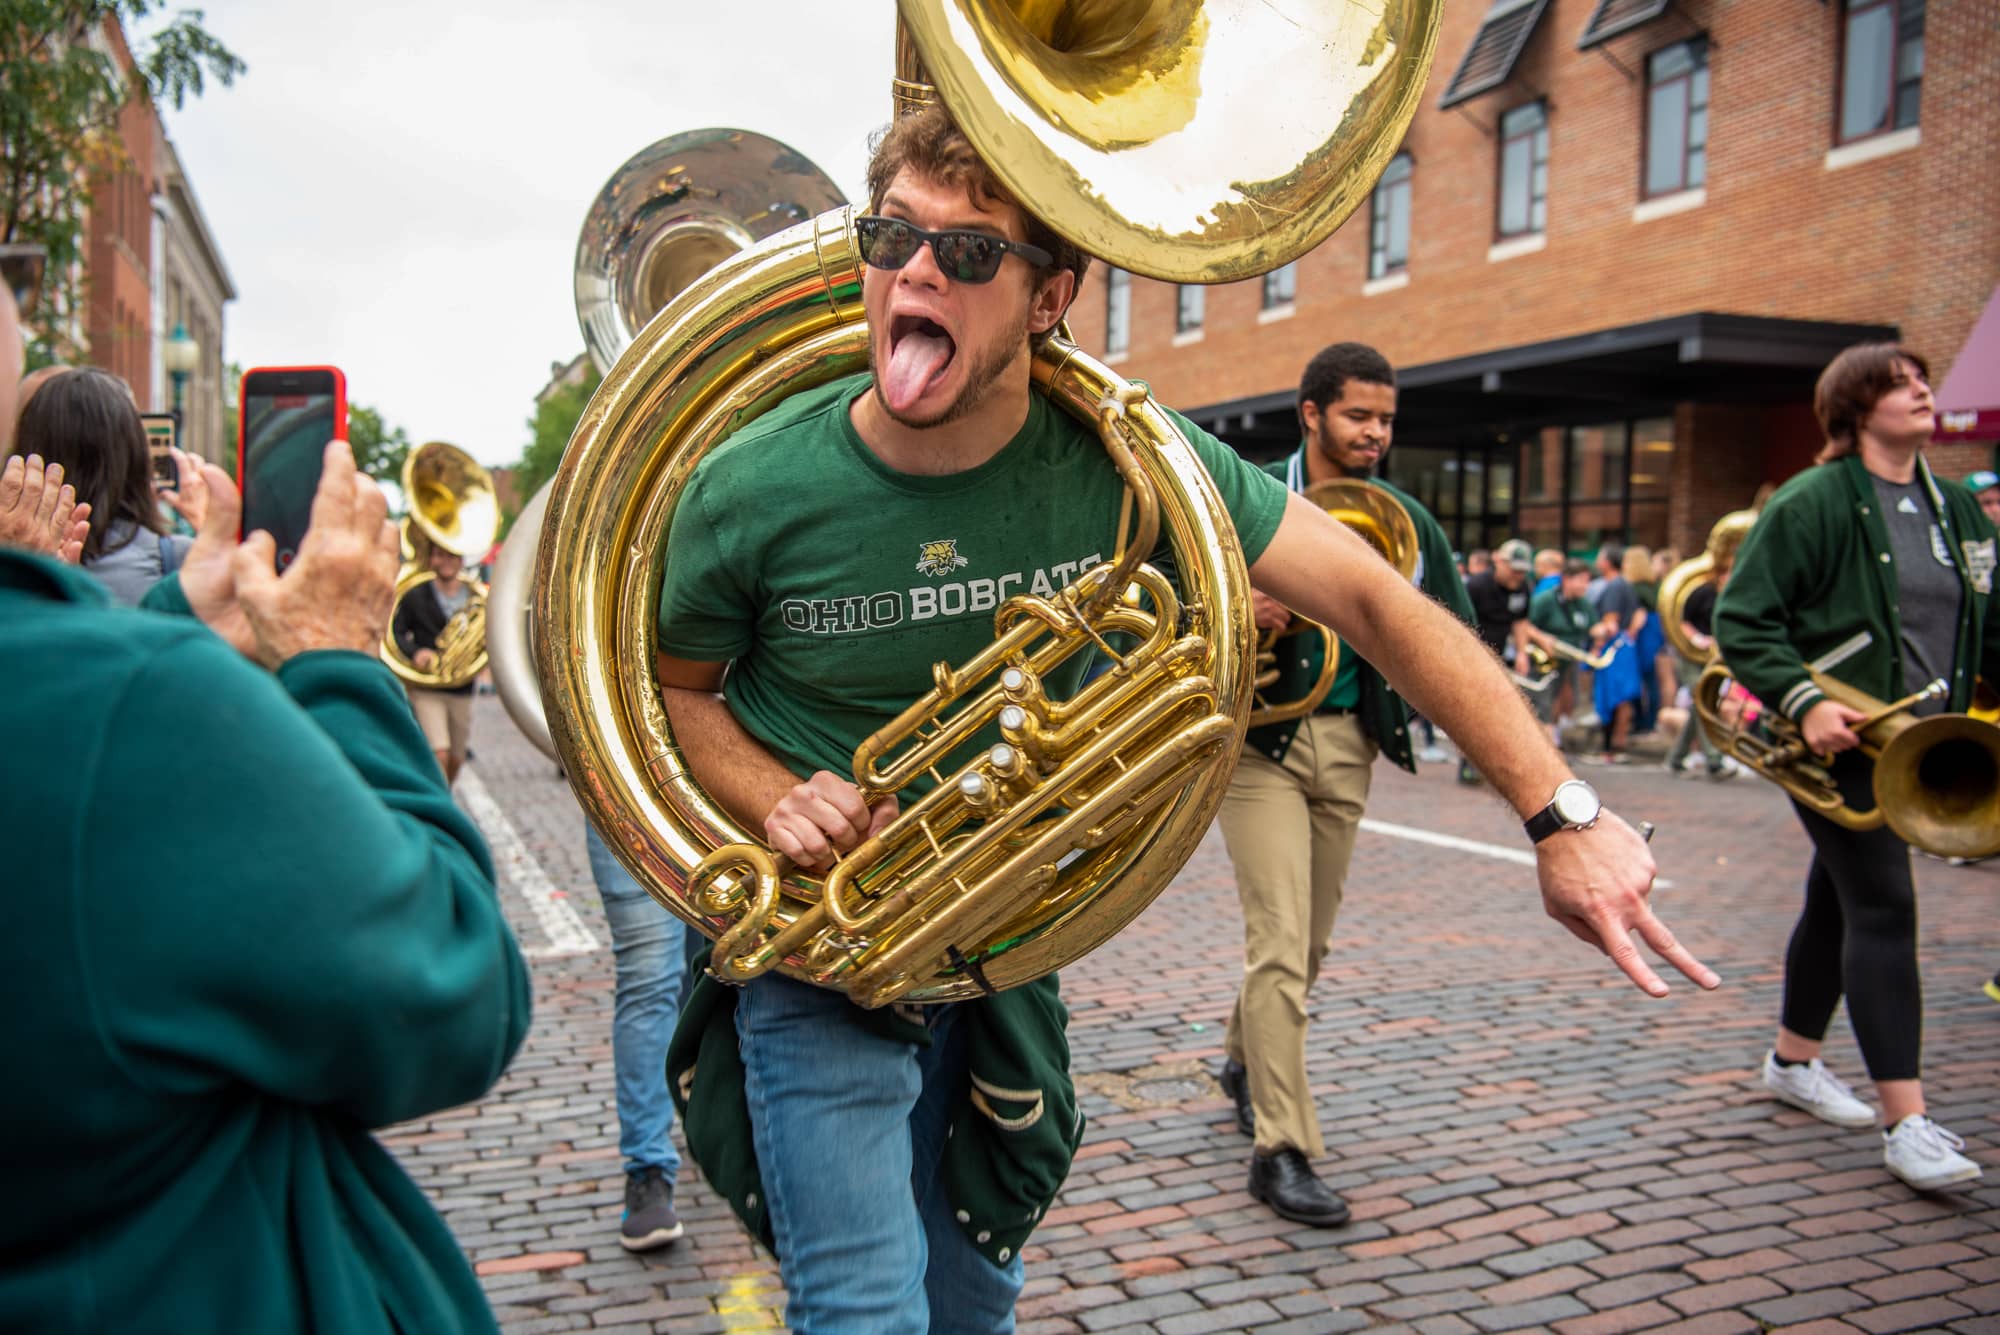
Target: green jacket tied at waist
245,925
1011,1141
1815,586
1383,714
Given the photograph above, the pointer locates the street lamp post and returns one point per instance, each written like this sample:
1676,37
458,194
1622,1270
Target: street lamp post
180,355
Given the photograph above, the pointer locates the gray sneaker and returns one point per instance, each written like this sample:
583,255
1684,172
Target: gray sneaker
650,1220
1811,1087
1925,1155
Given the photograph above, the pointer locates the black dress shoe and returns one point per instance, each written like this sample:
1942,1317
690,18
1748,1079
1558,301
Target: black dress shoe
1235,1082
1286,1182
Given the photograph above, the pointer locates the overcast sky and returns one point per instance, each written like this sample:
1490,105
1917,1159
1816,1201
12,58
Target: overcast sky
397,189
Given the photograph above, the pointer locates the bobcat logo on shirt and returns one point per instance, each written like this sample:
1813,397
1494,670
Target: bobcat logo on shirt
939,558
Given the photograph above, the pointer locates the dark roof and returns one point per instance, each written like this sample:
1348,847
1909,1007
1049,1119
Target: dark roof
1489,62
1616,16
1704,356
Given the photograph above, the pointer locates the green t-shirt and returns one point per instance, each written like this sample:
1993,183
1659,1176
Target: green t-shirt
834,582
1568,619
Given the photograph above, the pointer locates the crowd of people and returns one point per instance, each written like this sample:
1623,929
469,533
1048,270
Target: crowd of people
1585,639
238,1028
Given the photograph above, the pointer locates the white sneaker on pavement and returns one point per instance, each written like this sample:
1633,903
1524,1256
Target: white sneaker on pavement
1925,1155
1813,1088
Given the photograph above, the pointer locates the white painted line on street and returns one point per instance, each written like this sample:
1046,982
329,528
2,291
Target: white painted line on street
517,867
1520,857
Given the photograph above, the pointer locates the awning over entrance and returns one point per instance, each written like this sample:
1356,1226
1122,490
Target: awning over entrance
1969,400
1704,357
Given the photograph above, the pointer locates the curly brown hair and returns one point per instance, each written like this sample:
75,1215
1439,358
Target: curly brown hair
1850,387
929,143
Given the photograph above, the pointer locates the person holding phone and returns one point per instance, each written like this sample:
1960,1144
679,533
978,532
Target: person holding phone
445,714
85,420
272,929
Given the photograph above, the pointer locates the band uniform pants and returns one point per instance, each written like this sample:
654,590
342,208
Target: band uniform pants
1290,830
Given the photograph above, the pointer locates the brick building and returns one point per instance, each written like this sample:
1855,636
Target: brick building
1621,240
118,250
190,286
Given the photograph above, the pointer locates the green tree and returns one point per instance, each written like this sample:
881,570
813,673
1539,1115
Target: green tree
379,449
232,376
549,430
59,104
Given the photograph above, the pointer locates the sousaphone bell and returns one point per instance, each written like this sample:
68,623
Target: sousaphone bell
453,508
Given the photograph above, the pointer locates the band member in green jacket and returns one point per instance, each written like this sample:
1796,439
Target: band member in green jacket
246,925
1871,570
1296,799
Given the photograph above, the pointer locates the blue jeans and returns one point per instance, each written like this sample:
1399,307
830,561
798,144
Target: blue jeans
646,945
850,1129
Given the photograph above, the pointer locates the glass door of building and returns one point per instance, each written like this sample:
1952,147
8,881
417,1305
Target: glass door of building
1468,486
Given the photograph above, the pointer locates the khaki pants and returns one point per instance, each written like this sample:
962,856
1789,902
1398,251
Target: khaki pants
445,717
1290,830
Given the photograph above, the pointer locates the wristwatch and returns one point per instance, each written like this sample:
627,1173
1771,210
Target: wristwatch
1574,807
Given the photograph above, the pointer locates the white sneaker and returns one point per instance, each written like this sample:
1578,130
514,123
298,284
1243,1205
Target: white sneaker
1815,1089
1925,1155
1433,755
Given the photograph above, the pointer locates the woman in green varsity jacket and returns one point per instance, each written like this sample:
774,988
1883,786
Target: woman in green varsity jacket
1873,571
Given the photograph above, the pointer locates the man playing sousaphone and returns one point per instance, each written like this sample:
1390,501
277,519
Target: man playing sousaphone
1295,803
444,713
896,1160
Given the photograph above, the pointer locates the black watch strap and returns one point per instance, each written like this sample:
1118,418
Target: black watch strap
1542,824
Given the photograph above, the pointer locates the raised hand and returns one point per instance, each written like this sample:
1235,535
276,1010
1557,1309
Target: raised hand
190,497
40,512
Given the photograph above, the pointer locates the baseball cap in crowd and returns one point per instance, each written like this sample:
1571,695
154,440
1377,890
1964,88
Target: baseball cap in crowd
1516,553
1983,479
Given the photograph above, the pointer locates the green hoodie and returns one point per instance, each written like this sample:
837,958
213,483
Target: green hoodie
245,924
1815,583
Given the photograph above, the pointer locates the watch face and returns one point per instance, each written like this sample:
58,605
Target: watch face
1576,803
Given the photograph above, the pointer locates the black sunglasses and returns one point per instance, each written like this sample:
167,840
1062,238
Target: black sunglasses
21,268
964,256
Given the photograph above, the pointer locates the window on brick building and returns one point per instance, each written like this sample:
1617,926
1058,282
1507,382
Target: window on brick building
1281,286
1389,220
1117,313
1881,66
1189,305
1524,171
1677,118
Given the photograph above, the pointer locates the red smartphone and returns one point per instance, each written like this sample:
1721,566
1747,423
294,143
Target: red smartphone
286,417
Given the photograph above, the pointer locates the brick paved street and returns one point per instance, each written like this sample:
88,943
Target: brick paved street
1528,1142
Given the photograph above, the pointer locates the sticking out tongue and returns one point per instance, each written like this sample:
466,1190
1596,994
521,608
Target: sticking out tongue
917,359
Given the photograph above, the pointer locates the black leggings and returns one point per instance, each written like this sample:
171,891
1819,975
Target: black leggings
1858,937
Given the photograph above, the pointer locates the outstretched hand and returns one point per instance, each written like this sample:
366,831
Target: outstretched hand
40,512
1595,882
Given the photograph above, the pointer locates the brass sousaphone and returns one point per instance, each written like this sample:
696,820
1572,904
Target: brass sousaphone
1382,522
1717,556
1041,845
1936,780
452,508
666,217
